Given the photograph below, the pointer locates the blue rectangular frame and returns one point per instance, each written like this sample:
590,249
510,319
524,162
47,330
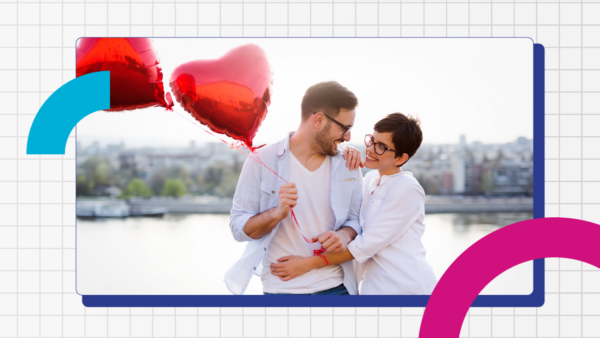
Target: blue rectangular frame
535,299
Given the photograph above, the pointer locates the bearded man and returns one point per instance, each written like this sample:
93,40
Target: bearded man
324,192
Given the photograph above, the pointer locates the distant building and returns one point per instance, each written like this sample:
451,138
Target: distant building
473,176
475,168
459,167
513,178
447,183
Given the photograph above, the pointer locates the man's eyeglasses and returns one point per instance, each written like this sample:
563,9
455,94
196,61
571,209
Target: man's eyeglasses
345,128
379,147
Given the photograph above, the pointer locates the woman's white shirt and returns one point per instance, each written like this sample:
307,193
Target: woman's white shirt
389,255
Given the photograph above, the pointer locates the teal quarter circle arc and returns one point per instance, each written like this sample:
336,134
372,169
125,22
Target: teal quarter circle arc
67,106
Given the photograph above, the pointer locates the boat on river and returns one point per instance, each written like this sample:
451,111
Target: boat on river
116,209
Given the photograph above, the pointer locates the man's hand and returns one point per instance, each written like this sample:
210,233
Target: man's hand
290,267
261,224
353,158
333,241
288,195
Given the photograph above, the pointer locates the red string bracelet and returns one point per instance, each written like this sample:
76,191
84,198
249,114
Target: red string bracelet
319,253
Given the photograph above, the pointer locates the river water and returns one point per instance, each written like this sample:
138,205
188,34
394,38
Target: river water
190,253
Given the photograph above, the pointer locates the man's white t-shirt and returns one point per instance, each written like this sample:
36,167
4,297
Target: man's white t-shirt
315,216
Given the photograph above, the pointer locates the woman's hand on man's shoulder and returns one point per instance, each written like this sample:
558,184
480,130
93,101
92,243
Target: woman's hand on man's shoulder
353,158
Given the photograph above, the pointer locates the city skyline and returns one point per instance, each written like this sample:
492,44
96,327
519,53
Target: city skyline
443,169
136,144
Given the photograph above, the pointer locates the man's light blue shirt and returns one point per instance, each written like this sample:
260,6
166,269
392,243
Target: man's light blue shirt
258,190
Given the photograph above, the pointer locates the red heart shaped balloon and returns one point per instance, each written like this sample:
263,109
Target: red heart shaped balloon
230,95
135,77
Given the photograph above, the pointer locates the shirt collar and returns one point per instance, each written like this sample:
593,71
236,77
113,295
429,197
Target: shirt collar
387,178
284,145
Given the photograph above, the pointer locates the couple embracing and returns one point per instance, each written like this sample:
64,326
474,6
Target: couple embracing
366,233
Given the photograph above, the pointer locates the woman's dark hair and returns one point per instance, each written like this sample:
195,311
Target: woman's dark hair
328,97
406,133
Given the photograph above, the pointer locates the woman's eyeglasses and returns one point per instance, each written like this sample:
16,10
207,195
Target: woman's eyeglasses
379,147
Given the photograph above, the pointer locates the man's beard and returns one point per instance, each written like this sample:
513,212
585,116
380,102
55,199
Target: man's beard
323,141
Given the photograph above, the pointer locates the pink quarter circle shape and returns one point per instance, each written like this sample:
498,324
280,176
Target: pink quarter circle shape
497,252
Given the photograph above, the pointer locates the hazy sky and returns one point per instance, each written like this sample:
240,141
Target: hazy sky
482,88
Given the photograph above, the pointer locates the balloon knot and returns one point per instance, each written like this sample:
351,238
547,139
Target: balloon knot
169,100
254,149
236,144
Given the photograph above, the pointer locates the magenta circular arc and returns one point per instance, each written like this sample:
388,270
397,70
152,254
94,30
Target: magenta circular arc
497,252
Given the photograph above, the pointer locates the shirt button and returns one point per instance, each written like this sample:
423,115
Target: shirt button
254,268
272,192
265,249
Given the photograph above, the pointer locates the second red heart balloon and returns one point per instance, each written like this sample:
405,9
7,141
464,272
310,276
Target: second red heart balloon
231,95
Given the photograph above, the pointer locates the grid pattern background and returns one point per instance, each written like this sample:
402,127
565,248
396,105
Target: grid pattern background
37,210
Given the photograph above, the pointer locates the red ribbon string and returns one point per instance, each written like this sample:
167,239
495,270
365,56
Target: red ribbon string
236,146
319,253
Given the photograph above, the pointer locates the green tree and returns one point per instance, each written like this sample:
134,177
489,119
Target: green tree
102,174
159,178
215,173
84,187
174,187
228,184
94,172
136,188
